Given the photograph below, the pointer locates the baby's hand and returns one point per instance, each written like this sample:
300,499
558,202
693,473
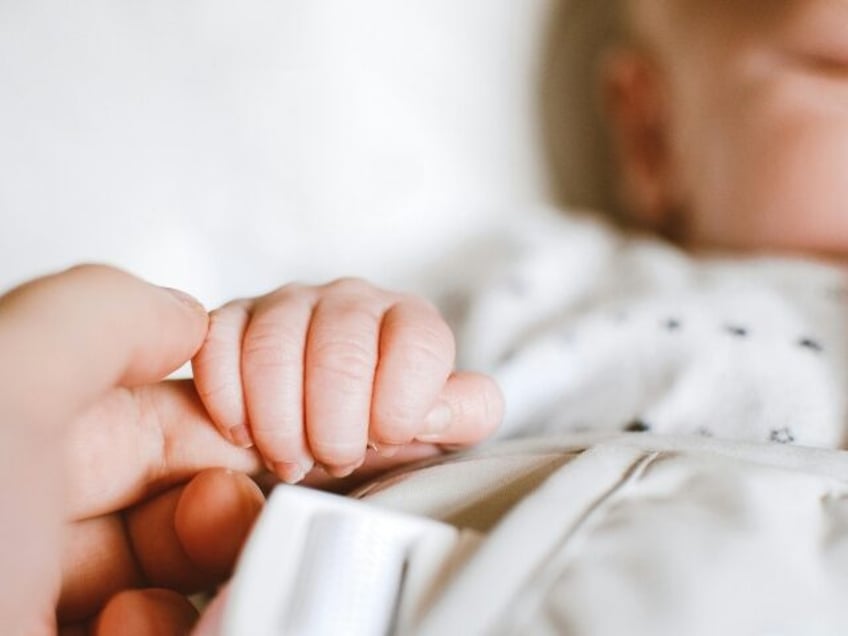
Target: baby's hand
316,374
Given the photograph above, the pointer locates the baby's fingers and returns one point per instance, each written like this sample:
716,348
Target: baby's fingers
416,358
272,368
217,371
341,357
469,409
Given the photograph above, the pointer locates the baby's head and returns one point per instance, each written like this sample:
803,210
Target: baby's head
730,122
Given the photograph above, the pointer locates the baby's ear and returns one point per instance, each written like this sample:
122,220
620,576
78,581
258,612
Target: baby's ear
636,105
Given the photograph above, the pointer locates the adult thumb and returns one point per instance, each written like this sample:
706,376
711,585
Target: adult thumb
65,340
69,337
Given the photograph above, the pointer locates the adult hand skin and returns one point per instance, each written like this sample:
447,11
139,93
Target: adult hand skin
119,495
102,465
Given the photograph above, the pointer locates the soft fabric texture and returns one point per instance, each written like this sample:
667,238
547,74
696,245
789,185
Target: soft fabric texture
638,534
587,328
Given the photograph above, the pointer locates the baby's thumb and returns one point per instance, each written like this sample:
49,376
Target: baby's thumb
469,409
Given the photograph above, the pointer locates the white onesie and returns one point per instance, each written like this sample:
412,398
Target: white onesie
604,533
586,328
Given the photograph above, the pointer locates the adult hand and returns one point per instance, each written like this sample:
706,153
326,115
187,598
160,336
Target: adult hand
95,458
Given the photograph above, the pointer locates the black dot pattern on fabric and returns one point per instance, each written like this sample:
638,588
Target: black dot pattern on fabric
782,436
737,331
811,345
673,324
637,426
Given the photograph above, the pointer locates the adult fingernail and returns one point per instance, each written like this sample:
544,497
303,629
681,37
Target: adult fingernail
240,436
186,299
438,420
289,472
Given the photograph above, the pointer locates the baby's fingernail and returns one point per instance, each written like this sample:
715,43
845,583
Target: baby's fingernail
386,450
438,421
289,472
240,436
342,471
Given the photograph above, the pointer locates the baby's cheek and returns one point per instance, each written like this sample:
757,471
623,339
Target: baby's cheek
784,182
800,201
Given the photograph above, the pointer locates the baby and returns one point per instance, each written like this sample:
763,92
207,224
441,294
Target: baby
730,124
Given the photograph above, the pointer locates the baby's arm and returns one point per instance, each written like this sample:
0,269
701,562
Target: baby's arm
316,374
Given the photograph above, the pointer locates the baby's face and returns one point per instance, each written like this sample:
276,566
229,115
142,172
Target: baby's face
758,123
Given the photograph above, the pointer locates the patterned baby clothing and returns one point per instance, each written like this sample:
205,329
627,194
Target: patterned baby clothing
587,328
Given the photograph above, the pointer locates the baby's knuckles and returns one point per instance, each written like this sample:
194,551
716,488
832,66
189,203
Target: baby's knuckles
269,345
428,344
356,287
341,365
340,352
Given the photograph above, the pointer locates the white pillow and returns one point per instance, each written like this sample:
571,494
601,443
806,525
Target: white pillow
226,148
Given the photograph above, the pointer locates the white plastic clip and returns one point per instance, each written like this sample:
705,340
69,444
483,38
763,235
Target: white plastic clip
318,564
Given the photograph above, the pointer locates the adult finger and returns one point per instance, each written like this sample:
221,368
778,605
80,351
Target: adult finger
214,517
474,408
190,538
97,563
186,539
164,438
78,333
66,339
272,372
152,612
416,358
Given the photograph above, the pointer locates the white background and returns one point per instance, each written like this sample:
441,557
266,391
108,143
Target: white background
228,147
